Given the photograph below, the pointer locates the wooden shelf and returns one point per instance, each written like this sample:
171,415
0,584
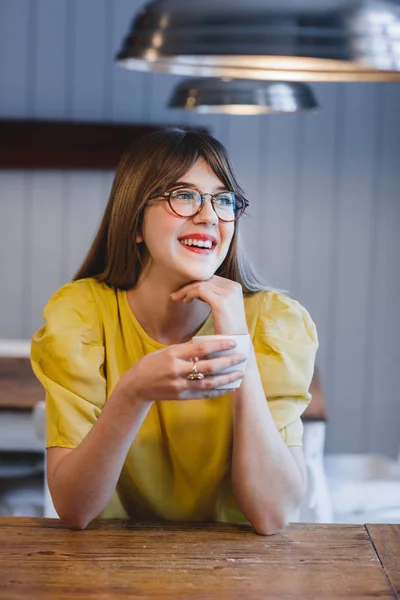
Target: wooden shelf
19,388
31,144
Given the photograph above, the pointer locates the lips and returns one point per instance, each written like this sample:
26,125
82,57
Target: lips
197,249
204,237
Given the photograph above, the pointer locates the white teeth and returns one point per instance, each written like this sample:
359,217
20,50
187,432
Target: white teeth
199,243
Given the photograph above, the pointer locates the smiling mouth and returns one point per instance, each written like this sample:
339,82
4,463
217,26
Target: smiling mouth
206,247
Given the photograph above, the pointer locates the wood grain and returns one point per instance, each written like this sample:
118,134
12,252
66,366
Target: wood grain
42,559
386,540
19,388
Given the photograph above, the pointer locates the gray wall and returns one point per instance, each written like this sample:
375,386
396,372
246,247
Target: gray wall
325,213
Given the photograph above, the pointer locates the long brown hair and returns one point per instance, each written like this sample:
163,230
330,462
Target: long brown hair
147,168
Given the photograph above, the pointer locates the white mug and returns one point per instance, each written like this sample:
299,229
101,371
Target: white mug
242,347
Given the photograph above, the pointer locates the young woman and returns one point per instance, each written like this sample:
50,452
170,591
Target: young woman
132,430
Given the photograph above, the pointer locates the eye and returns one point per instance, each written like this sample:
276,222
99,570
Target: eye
225,199
184,195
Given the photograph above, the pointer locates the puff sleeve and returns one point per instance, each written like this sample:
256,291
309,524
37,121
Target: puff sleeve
67,356
285,343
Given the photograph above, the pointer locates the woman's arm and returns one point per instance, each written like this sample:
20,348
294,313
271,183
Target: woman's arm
82,480
268,479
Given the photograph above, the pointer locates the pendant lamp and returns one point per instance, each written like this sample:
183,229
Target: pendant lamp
287,40
242,96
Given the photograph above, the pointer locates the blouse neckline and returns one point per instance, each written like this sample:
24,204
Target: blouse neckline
142,332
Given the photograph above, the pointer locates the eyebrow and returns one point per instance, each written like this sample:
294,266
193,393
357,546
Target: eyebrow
187,184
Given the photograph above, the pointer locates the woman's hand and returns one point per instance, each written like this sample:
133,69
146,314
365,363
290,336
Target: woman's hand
163,374
225,298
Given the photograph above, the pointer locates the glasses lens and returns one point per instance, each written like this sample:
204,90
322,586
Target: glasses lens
185,202
228,206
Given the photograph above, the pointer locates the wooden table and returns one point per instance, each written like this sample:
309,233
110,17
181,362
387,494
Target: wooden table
42,559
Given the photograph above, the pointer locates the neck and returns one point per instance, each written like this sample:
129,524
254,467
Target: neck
163,319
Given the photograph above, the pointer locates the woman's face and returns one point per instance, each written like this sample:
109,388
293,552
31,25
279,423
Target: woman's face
169,238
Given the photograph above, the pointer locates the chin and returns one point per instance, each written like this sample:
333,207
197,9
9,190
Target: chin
199,275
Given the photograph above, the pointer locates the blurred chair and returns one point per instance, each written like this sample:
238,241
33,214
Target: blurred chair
21,484
317,505
39,423
21,453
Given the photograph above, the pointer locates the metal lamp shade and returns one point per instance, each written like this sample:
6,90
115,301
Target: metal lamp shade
267,39
242,96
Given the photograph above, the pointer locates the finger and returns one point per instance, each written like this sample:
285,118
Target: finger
216,283
194,290
212,382
201,395
215,366
183,291
202,293
188,350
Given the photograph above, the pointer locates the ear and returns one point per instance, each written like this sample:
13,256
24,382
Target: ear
139,236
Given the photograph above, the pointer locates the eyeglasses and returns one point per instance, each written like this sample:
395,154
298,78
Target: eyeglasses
187,202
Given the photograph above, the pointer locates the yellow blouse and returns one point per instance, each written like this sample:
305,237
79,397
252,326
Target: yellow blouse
178,466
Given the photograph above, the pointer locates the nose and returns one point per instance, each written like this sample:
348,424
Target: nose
207,213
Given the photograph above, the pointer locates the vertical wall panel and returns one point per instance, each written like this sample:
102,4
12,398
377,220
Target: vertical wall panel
278,197
315,203
16,43
43,258
381,412
90,62
349,331
3,56
13,188
50,51
243,146
129,87
18,33
85,208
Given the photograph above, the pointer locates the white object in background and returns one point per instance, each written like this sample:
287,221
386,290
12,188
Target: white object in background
39,420
15,348
364,488
316,506
17,432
